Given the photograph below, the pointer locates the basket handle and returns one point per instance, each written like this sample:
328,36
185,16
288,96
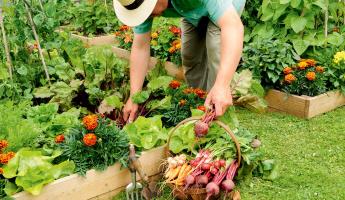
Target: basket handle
195,119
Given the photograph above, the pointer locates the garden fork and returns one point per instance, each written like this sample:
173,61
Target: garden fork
134,189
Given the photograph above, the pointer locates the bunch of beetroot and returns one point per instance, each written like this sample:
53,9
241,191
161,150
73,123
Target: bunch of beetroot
211,173
201,127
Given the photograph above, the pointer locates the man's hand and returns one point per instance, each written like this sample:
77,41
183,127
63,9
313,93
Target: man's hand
130,111
220,97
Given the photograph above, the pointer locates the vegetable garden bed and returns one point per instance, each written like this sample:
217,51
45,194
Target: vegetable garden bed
171,68
97,185
304,106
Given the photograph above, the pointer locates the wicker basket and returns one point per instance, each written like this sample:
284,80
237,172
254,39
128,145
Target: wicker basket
198,193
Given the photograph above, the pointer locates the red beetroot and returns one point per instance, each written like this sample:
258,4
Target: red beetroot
214,171
228,185
200,129
222,163
201,180
212,188
216,164
206,166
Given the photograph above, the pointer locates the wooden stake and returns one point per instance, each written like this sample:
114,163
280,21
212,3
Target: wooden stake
7,51
37,40
326,20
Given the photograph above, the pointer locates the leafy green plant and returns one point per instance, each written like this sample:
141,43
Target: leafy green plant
18,131
146,133
96,149
266,59
32,176
303,23
94,18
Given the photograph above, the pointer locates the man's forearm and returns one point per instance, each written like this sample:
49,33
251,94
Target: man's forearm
139,62
232,32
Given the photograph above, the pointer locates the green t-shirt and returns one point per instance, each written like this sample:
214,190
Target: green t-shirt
194,10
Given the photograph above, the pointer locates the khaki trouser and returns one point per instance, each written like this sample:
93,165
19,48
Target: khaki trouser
200,53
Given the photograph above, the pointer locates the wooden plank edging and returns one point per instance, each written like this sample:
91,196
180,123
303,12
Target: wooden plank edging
304,106
96,183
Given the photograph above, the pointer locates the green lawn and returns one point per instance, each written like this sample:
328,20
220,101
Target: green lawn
311,156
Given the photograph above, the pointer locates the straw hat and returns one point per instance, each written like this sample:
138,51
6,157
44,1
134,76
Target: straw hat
133,12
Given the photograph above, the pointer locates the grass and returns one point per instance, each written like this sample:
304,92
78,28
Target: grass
310,153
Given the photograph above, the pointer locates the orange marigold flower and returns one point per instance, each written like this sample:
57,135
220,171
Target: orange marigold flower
174,84
128,38
3,144
59,138
311,62
320,69
10,155
90,122
310,76
35,45
287,70
175,30
201,93
154,35
302,65
176,42
289,78
202,108
188,90
1,170
172,49
182,102
124,28
4,158
117,33
90,139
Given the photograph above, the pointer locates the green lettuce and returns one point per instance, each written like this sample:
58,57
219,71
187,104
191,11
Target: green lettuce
146,133
32,170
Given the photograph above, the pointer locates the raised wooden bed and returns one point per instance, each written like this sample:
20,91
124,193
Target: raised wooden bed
97,185
304,106
98,40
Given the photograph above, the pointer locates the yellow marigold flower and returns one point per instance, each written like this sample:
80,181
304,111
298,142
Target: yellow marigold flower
178,46
302,65
320,69
310,76
289,78
1,170
338,57
154,35
287,70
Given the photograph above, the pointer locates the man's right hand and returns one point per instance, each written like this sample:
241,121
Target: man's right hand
130,111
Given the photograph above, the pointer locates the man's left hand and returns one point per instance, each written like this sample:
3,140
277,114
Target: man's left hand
220,97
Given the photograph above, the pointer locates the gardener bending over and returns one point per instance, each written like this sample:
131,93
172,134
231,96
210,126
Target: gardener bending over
212,40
